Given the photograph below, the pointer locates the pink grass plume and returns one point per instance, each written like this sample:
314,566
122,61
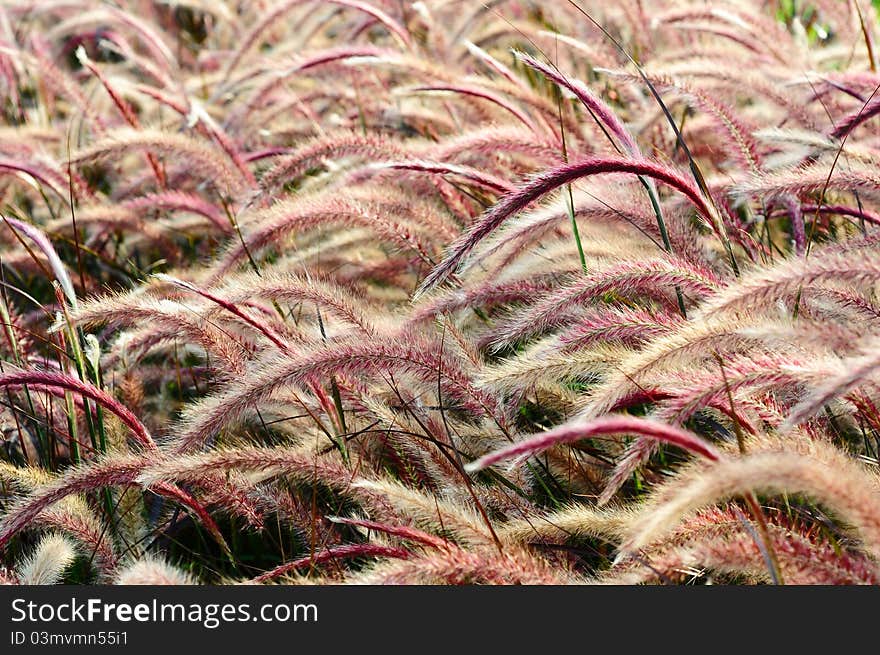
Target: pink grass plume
543,184
42,242
61,381
610,425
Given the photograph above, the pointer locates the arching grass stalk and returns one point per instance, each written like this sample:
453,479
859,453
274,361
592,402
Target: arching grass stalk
695,169
605,120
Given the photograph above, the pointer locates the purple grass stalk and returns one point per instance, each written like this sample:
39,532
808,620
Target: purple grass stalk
489,141
611,425
462,567
284,217
142,62
855,371
543,184
418,357
263,95
340,301
477,92
492,63
333,145
485,295
63,84
863,214
42,241
637,453
181,201
163,97
739,133
13,166
485,180
62,381
200,157
629,326
339,54
233,497
216,132
852,121
230,307
266,153
186,499
124,108
703,388
119,471
333,553
643,277
589,99
251,38
402,531
159,50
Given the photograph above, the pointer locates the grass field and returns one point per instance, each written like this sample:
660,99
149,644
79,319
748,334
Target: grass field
439,292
